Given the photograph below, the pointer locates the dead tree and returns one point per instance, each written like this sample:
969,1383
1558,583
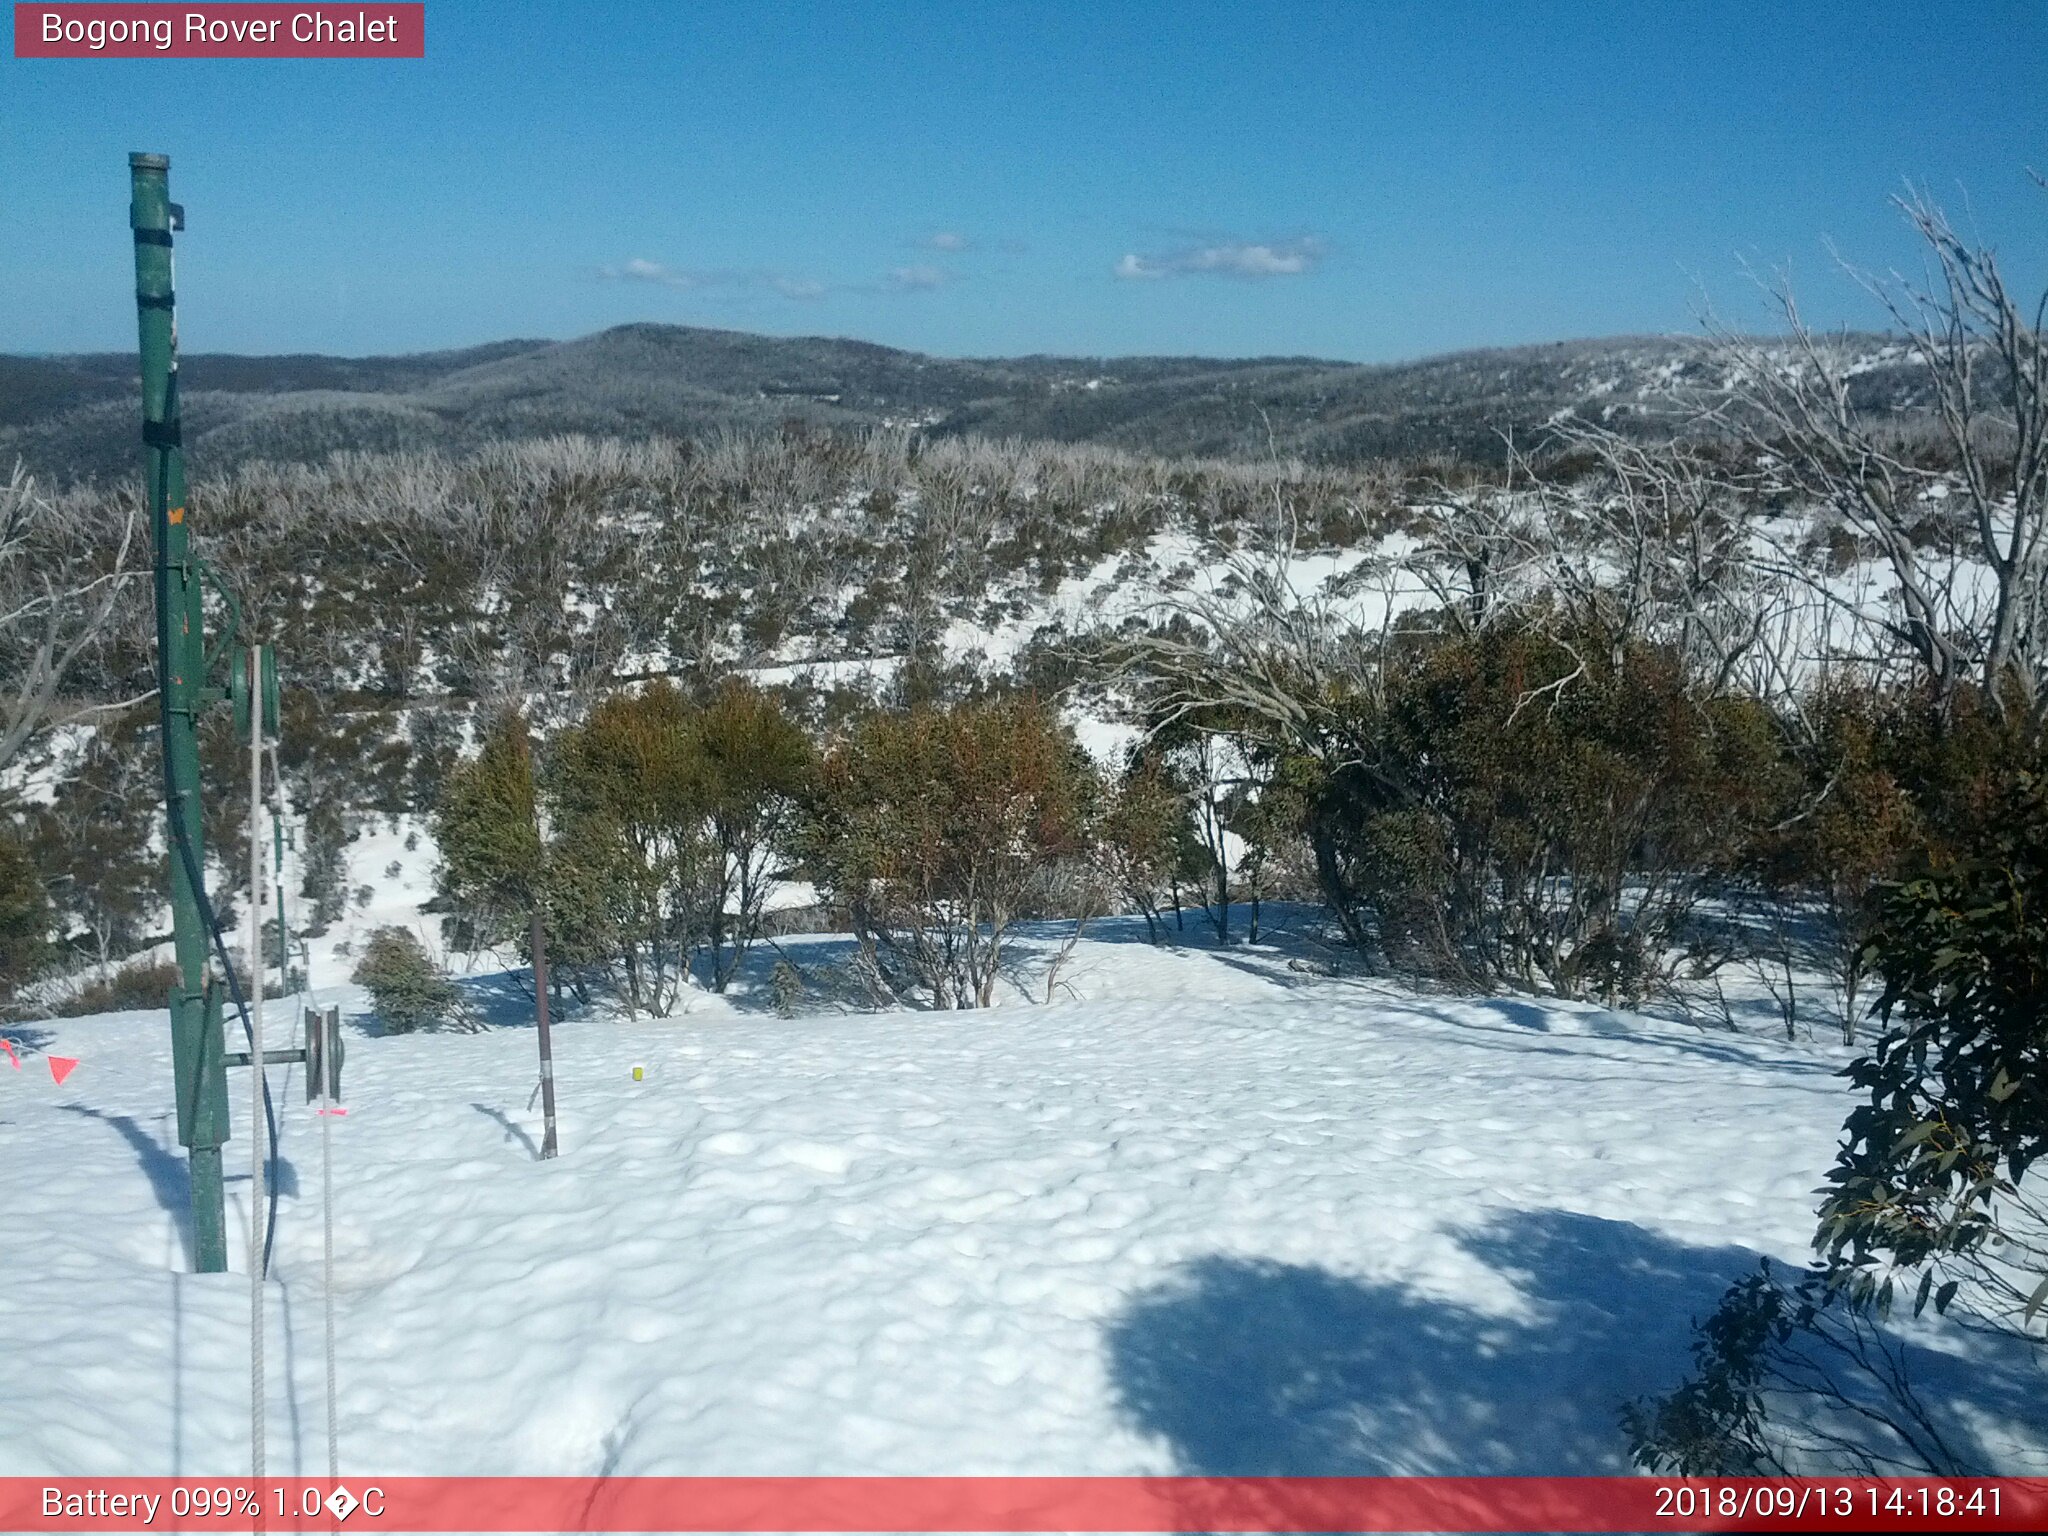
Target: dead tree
1980,357
62,577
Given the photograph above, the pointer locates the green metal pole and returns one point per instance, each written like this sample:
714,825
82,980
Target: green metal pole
196,1043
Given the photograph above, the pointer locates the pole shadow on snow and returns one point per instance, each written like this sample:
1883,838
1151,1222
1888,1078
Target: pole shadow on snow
164,1166
1250,1367
168,1172
513,1130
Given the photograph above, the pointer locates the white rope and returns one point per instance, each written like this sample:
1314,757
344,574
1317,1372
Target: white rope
323,1106
257,1077
327,1276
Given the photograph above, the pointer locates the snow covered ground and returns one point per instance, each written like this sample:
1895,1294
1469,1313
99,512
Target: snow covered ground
1205,1213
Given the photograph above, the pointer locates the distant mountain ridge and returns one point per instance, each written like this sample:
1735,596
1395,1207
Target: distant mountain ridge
75,417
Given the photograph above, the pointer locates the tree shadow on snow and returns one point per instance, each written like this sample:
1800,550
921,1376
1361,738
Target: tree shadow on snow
1287,927
1250,1367
499,999
1534,1017
504,999
23,1038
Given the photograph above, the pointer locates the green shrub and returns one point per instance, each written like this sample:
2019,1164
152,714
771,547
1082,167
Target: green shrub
1543,810
1933,1164
486,823
1928,1195
671,821
936,828
24,917
1145,836
406,988
1791,1377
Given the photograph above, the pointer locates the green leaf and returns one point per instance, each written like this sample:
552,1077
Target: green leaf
1919,1133
2034,1301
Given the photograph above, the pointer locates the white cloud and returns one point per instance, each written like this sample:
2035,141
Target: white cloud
641,270
946,240
1229,258
918,279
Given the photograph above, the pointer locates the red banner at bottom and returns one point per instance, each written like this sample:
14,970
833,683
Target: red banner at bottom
1134,1504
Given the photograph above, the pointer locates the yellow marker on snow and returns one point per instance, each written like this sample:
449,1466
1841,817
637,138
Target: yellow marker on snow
639,1073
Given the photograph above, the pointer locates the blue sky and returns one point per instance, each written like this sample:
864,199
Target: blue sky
1355,180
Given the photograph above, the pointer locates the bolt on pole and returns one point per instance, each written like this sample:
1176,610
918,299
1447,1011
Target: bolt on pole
196,1043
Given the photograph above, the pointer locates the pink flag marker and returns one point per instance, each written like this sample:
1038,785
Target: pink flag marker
60,1066
7,1045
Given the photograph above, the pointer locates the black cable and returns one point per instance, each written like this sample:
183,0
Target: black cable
248,1031
193,874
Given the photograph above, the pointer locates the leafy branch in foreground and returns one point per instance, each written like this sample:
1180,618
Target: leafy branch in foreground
1928,1191
1933,1161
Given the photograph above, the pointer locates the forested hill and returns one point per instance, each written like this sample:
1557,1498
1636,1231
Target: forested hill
74,417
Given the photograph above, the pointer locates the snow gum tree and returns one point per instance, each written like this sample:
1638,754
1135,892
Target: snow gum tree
1958,515
487,825
64,572
671,822
1146,836
1925,826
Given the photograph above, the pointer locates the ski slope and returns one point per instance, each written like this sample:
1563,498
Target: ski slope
1205,1213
